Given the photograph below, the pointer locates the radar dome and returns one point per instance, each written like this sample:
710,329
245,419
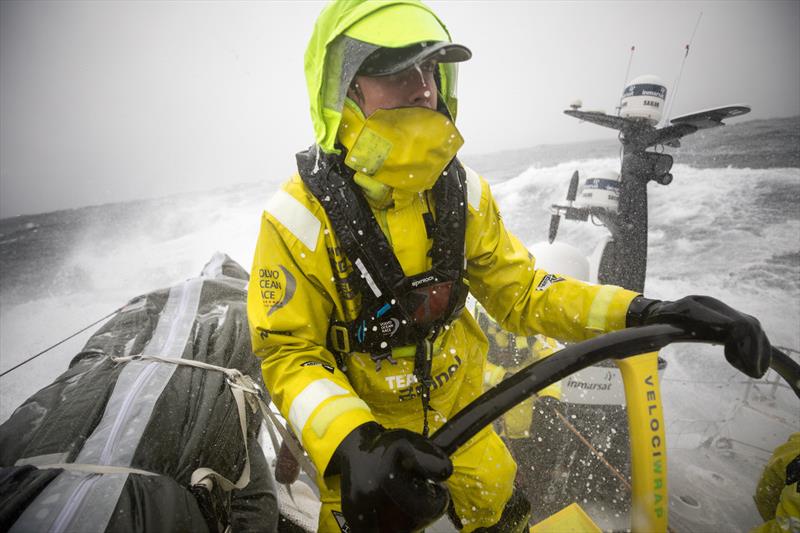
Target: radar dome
644,98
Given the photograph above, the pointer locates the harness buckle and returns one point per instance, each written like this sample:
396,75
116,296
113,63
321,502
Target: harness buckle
378,359
340,338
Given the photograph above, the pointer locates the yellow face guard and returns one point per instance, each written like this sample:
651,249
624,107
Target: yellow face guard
406,148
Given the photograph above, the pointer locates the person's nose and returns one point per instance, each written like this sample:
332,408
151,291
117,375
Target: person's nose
423,99
421,91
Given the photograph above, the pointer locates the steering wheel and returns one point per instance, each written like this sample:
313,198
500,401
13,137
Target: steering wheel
649,501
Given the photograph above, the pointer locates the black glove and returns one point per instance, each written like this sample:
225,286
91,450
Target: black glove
746,345
391,480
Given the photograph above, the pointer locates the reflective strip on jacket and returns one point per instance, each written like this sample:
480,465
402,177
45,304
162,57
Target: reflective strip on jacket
293,295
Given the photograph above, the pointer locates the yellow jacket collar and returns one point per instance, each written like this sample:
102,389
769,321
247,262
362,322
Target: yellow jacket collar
403,149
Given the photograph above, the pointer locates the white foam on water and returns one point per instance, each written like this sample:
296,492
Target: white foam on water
713,231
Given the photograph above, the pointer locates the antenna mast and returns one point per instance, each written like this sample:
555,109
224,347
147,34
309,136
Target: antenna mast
680,72
625,81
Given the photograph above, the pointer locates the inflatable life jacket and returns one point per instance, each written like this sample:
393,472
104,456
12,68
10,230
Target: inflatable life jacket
396,310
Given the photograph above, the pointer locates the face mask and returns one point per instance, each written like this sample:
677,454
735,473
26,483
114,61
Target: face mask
405,148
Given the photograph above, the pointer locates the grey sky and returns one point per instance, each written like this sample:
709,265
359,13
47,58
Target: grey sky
113,101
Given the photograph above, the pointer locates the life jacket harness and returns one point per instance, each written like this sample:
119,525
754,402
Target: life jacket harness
396,310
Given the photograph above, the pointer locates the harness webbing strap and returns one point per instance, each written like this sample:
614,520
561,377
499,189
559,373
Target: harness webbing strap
355,226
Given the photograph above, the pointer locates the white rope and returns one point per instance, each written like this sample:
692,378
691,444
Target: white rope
290,440
231,373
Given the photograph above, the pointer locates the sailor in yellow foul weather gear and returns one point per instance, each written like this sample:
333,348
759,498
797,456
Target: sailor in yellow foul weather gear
509,353
777,495
361,269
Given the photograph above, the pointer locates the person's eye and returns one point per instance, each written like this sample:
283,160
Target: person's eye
428,66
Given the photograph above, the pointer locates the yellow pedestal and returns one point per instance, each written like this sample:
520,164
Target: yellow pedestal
570,519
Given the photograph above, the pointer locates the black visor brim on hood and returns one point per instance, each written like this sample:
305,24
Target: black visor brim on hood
387,61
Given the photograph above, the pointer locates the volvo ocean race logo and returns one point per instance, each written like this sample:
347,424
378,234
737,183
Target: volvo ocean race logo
277,287
390,327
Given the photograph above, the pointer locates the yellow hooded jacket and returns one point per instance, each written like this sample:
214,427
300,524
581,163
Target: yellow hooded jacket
293,294
298,284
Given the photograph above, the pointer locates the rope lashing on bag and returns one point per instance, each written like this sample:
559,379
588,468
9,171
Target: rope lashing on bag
238,385
243,389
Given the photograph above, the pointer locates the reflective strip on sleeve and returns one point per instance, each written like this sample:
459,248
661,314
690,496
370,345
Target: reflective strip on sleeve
309,399
333,409
600,305
295,217
474,188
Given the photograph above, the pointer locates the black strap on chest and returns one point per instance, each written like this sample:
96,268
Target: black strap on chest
396,310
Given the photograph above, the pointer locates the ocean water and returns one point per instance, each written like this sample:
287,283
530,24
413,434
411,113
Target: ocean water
728,226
